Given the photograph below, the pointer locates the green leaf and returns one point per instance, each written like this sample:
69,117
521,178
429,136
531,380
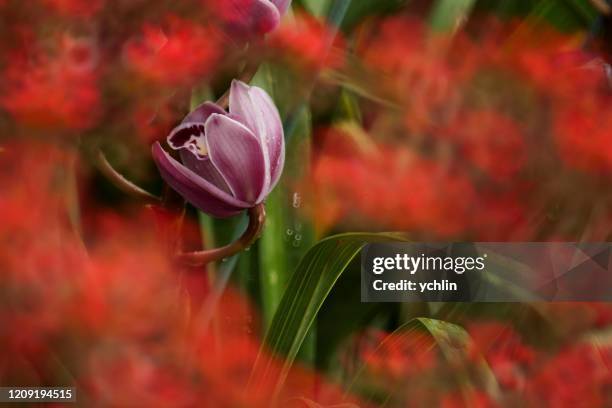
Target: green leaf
361,10
337,12
317,8
566,15
449,14
273,256
349,106
308,288
343,314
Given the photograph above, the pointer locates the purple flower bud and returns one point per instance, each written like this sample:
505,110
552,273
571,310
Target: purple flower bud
244,18
230,161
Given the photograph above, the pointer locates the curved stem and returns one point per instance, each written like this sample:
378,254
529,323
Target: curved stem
121,182
257,218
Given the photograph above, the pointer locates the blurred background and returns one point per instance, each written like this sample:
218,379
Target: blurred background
441,120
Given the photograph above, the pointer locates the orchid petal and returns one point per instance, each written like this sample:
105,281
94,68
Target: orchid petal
257,111
241,105
190,136
202,112
274,135
238,155
205,169
196,190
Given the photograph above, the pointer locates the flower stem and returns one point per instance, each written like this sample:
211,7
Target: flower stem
257,218
121,182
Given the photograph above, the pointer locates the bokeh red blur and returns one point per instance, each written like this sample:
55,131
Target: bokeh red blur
103,306
498,131
474,136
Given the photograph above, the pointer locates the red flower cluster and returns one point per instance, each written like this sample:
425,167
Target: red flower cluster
460,133
467,399
307,44
579,375
110,313
575,86
75,8
490,142
54,90
413,366
115,69
399,189
179,55
504,351
393,357
584,134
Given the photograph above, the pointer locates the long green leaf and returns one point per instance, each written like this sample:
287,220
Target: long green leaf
273,256
310,284
316,7
448,14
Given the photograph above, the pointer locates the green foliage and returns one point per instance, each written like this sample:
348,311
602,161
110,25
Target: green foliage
343,314
363,9
308,288
449,14
316,7
567,15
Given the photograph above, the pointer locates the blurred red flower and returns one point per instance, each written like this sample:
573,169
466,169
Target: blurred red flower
307,44
178,54
583,135
457,132
426,196
398,356
467,399
57,91
577,376
491,142
509,358
108,311
76,8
